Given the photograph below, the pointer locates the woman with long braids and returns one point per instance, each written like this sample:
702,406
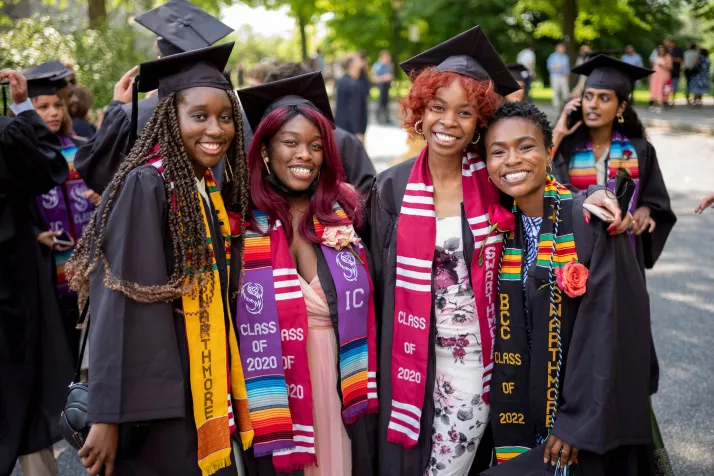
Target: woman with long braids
305,313
570,381
435,261
154,265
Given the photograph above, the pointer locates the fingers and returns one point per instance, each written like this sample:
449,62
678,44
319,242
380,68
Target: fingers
555,451
109,467
624,225
548,448
652,225
128,75
573,456
97,467
565,455
90,459
574,128
586,216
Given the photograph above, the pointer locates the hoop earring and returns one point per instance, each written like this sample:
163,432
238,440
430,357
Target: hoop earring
265,161
419,133
620,119
228,171
549,169
489,178
477,139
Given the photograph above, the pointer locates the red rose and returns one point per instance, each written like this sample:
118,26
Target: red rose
572,278
503,220
234,220
627,153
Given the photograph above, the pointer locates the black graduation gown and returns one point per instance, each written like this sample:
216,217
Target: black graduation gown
653,193
363,432
35,366
351,104
604,407
383,206
358,168
138,354
99,159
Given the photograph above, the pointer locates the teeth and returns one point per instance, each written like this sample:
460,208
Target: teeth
301,171
515,176
444,137
210,145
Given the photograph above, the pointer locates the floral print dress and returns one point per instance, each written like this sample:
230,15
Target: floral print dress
460,415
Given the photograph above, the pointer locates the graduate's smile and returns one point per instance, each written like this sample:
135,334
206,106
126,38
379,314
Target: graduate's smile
516,177
302,171
444,138
213,147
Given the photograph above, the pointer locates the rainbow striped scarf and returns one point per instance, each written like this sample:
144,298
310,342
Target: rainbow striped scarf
526,379
216,375
272,324
622,156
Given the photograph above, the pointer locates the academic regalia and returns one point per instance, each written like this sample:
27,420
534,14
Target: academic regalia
307,90
180,26
605,72
603,405
470,54
352,113
139,354
34,365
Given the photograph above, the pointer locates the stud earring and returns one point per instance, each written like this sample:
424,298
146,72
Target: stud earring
265,161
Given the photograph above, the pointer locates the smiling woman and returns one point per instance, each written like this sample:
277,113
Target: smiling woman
155,263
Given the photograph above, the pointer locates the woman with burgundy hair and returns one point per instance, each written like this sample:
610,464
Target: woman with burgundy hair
305,314
436,255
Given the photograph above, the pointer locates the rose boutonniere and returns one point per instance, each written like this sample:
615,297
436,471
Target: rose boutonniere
339,237
501,221
624,168
572,278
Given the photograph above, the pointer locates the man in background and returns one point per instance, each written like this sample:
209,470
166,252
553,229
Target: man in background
632,57
690,65
559,69
382,76
527,58
677,55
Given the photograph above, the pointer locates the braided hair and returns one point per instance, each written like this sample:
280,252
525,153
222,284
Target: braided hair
191,250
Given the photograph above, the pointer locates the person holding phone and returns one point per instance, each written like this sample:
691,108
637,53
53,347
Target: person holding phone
65,210
154,265
570,381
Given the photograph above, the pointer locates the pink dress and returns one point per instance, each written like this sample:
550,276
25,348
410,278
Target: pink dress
660,78
332,445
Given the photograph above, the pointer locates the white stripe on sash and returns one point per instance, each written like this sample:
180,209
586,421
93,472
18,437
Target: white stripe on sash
417,212
284,272
286,296
491,240
424,288
419,263
402,429
408,408
413,274
418,199
287,284
420,187
479,219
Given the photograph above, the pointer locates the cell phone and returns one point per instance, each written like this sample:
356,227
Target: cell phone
63,239
574,117
599,212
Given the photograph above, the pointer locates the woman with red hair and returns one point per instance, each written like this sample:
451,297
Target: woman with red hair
432,231
304,312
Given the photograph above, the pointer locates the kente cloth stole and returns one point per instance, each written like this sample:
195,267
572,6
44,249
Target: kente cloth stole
622,156
272,322
64,208
214,360
526,384
416,240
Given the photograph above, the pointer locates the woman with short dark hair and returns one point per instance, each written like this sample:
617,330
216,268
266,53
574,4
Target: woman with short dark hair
79,107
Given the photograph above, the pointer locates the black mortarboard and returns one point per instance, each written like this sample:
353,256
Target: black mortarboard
605,72
46,79
470,54
517,70
182,26
308,89
192,69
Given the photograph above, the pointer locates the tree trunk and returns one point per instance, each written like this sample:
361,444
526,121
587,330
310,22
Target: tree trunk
570,14
97,13
303,37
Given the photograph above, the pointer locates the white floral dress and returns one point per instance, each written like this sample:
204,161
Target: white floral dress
461,416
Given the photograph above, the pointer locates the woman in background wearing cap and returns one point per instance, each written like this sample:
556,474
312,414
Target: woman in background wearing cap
66,208
154,264
305,292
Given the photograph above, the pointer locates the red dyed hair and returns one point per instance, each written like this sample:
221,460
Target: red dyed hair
331,186
481,93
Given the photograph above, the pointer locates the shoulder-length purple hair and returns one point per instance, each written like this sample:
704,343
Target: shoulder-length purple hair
331,187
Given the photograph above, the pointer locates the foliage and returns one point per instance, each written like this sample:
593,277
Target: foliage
100,57
252,48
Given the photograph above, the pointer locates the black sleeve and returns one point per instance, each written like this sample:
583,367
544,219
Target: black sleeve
99,159
653,194
32,154
606,383
134,362
358,168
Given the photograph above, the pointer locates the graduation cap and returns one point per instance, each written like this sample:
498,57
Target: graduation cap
182,26
517,70
470,54
46,79
192,69
606,72
306,89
